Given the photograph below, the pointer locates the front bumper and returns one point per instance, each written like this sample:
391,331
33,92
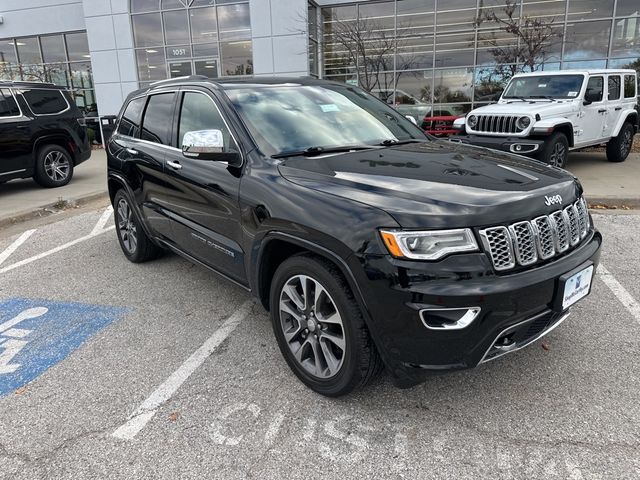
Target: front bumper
519,304
519,145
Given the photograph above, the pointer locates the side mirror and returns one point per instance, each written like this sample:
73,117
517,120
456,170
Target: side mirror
208,145
412,119
590,96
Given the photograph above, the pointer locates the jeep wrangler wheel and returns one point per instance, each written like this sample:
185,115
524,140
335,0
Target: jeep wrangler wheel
555,150
54,166
319,327
618,148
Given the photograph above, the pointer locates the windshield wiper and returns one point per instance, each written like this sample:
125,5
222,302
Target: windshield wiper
391,141
546,97
522,99
313,151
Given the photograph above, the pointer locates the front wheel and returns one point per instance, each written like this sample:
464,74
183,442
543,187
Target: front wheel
134,242
555,150
618,148
319,327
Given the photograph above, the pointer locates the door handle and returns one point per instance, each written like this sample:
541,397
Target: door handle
132,151
604,110
618,109
174,165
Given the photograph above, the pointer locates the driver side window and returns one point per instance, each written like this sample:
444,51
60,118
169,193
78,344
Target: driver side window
198,112
595,88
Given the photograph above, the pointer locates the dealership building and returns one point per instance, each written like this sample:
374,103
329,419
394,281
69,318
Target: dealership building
452,54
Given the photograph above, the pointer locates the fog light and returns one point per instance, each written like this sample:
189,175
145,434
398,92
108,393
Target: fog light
518,148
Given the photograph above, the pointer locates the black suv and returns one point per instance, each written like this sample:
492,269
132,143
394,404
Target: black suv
41,133
370,243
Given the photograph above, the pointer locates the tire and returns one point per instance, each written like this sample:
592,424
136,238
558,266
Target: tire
328,371
134,242
555,150
618,148
54,166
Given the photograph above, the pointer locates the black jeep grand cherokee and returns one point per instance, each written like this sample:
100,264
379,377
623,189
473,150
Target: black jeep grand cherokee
370,243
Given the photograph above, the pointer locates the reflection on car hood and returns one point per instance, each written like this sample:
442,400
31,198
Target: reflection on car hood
437,184
518,107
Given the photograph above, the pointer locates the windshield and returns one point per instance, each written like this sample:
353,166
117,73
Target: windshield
290,118
545,86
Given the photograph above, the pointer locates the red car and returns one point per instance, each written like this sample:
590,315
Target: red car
440,126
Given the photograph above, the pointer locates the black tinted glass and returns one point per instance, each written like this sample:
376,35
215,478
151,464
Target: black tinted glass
614,87
130,121
8,106
199,113
156,124
43,102
595,88
629,86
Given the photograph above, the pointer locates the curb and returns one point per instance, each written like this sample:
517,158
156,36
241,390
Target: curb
52,208
613,203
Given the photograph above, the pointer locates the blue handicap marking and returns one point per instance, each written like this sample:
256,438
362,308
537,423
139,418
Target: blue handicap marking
37,334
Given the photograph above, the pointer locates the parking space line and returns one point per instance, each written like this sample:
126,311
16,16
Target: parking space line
94,233
14,246
620,292
165,391
102,221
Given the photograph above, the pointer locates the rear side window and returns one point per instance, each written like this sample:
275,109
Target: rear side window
629,86
614,87
130,121
8,105
156,124
45,102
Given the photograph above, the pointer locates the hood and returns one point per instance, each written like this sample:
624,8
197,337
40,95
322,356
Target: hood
544,108
437,184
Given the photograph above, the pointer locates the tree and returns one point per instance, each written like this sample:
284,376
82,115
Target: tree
532,39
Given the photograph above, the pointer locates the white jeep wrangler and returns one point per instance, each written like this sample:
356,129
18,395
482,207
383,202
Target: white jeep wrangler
546,114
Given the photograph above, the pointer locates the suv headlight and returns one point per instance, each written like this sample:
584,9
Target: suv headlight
428,245
523,123
472,121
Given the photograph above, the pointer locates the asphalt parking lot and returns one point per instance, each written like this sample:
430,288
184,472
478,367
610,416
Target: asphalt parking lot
163,370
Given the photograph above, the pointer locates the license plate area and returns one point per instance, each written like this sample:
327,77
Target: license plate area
573,286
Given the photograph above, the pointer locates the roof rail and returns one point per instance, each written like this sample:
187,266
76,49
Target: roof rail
27,82
179,79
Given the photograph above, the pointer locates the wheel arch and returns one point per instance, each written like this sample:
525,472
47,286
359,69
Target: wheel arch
567,130
59,139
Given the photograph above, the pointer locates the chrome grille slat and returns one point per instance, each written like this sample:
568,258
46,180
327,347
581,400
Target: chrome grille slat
525,243
497,124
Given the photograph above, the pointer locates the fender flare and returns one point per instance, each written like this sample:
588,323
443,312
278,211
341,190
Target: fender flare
54,137
626,113
131,197
555,123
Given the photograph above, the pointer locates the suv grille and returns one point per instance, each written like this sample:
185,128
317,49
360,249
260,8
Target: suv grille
497,124
525,243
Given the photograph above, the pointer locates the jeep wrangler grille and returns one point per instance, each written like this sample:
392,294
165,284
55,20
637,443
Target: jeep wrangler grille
525,243
497,124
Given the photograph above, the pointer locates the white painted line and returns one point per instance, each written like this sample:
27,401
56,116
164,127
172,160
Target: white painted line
102,221
14,246
620,292
274,428
165,391
57,249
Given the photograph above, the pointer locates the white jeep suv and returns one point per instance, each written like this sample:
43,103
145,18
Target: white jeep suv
546,114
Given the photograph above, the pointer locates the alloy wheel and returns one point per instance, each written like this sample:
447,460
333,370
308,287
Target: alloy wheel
627,140
56,166
126,226
557,155
312,326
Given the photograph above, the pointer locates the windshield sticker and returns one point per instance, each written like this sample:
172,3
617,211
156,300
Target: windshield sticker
329,107
542,85
573,94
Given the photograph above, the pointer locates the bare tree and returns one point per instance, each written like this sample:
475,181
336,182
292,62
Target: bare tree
532,39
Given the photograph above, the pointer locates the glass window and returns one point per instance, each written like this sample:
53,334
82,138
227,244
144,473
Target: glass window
489,8
151,64
28,50
587,40
147,29
237,58
8,105
81,76
53,49
179,69
167,4
198,112
8,53
489,84
585,64
453,85
627,8
130,122
545,9
176,27
613,83
415,30
138,6
44,102
156,124
57,73
203,25
629,86
455,15
312,20
233,22
77,46
339,28
204,3
208,68
596,87
178,51
626,37
377,19
589,9
206,50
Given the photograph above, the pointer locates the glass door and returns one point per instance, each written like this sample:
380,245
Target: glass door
180,69
208,68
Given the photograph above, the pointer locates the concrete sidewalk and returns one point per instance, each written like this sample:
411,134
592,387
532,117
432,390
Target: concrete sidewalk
19,198
606,183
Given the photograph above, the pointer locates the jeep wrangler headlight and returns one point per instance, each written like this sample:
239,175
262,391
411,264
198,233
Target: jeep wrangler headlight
472,121
428,245
523,123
